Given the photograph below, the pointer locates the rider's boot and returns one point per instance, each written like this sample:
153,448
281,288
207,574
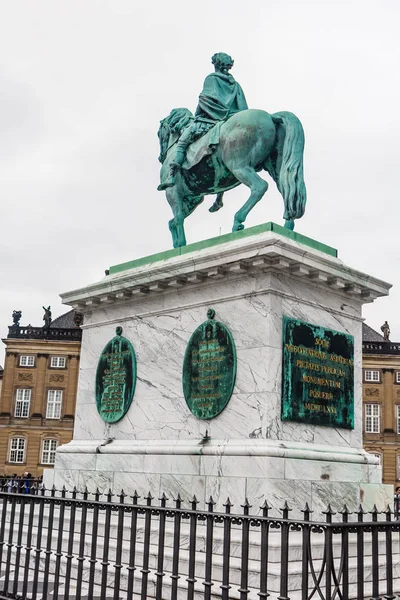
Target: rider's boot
174,167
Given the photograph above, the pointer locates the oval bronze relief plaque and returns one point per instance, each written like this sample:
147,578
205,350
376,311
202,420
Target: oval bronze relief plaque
115,378
209,369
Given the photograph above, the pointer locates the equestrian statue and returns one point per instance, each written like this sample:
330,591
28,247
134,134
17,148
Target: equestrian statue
225,144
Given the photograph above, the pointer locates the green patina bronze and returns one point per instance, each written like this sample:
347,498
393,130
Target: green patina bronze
209,369
317,375
115,378
224,144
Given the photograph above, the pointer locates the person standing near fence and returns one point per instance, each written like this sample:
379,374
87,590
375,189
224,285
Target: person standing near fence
397,502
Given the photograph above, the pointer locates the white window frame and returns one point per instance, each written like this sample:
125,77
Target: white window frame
22,403
372,376
54,404
17,450
398,417
27,360
58,362
49,451
372,418
397,376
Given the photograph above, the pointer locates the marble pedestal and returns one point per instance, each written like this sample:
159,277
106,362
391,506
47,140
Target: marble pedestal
251,279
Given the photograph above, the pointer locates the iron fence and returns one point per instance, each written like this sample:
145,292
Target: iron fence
72,545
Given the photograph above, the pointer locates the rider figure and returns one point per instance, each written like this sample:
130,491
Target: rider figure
220,98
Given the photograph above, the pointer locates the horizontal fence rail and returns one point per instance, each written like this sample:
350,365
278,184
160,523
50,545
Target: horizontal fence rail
75,545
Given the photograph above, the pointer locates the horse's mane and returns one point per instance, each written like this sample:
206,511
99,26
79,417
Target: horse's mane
178,119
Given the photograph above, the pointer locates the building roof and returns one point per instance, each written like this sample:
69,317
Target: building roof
62,328
370,335
65,321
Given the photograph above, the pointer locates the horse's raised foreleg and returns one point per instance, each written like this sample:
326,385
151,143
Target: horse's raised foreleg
258,187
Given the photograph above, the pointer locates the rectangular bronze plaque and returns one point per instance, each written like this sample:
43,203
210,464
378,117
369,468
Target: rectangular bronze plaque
317,375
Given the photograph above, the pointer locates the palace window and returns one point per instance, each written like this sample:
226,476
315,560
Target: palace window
22,403
372,418
26,360
398,417
397,376
17,450
372,376
49,448
54,401
57,362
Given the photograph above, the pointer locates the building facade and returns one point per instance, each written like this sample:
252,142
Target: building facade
381,402
38,396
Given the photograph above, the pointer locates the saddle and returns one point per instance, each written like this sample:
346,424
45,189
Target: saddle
202,147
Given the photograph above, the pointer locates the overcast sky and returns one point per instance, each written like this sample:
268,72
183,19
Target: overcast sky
84,84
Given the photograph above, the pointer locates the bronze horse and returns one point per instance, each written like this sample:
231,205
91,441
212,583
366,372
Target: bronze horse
249,141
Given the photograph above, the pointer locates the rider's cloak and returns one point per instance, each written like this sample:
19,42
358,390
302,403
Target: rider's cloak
221,97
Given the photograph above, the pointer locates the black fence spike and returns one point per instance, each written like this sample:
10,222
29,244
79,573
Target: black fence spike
307,509
246,504
329,510
286,507
265,505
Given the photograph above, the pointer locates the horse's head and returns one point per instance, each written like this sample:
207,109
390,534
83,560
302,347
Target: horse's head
163,138
177,120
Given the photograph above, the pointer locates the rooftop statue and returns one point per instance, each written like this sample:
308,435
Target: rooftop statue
225,144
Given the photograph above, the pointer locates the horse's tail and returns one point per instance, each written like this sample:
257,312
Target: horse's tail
285,163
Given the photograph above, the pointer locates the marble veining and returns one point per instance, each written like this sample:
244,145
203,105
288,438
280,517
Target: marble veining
251,285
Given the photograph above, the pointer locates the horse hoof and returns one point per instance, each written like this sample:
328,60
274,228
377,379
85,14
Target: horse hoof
238,227
289,224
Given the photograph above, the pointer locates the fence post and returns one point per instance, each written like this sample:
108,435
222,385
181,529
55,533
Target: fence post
132,546
28,547
93,542
264,540
146,547
244,568
283,594
209,550
49,538
328,552
176,547
305,551
389,557
59,544
375,554
192,549
345,552
38,548
106,547
19,544
226,551
161,545
120,539
360,553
